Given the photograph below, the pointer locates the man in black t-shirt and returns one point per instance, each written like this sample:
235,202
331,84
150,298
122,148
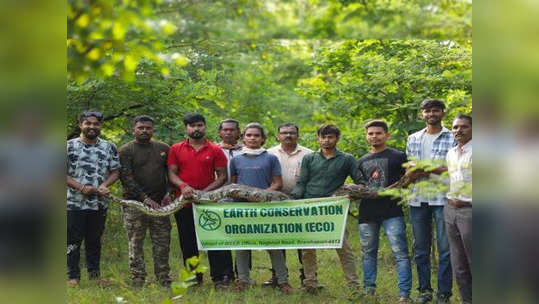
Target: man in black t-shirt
379,168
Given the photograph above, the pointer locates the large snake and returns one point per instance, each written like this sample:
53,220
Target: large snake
231,191
250,194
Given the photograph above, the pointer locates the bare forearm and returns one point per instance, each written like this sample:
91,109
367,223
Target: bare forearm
74,184
276,184
216,184
113,177
274,187
219,181
174,179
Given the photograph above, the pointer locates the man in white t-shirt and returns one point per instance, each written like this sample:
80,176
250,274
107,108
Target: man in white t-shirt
431,143
290,155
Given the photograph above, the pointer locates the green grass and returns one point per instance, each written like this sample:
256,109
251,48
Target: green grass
114,266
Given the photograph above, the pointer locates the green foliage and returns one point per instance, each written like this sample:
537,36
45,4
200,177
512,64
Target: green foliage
110,38
430,187
357,81
186,277
115,266
347,83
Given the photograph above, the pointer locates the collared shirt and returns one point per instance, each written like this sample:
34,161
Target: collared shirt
196,168
89,165
230,153
290,164
459,165
440,147
321,177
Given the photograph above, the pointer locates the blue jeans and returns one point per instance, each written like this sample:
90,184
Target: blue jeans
395,229
421,220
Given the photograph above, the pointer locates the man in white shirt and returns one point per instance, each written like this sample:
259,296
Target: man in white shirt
458,212
290,155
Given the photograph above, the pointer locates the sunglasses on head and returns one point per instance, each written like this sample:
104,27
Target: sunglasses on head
95,114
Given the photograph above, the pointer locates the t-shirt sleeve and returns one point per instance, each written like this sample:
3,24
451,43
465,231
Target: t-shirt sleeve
304,176
408,146
171,157
403,160
275,166
220,158
233,170
69,156
352,164
114,161
165,148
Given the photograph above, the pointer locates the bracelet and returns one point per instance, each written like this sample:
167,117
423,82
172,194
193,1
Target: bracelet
82,189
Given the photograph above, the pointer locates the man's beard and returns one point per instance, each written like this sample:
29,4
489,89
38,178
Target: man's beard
433,121
91,135
197,135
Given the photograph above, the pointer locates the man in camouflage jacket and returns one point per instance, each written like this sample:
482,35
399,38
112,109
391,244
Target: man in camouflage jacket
144,178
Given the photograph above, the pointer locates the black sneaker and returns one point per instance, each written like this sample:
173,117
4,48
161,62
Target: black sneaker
443,299
270,283
197,280
165,282
424,297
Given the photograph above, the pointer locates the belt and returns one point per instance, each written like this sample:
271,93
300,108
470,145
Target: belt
459,204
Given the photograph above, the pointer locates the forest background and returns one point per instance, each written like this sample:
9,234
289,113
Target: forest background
308,61
270,62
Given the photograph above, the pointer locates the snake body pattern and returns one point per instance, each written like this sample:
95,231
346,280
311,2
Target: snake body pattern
231,191
250,194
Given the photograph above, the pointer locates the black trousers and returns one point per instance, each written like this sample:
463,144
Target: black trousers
220,260
87,225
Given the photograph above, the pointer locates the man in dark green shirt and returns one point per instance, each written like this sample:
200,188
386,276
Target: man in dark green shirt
144,178
322,173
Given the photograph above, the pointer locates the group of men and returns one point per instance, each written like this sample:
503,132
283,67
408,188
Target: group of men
149,170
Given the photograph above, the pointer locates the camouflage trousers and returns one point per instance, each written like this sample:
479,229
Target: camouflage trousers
136,223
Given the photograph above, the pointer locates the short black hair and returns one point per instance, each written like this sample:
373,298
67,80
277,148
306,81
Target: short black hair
91,113
191,118
288,124
228,120
255,125
143,118
432,103
464,116
377,123
328,129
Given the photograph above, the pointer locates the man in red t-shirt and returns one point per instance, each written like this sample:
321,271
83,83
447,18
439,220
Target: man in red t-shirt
193,164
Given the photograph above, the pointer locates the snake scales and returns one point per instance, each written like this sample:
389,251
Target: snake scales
251,194
232,191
